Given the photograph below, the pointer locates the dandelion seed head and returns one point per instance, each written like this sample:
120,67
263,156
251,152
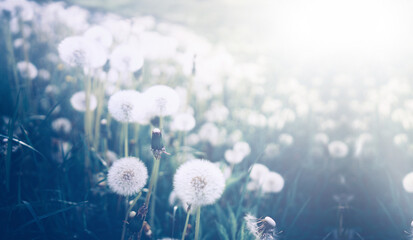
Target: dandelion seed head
78,101
272,182
338,149
126,58
27,70
270,221
408,182
252,225
162,100
199,182
258,170
62,125
81,52
184,122
233,157
127,176
126,106
286,139
242,148
100,35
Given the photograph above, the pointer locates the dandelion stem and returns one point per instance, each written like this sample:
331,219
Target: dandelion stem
197,222
127,214
152,182
186,222
125,126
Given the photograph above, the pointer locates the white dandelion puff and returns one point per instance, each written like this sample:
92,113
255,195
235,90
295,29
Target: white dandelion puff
338,149
408,183
127,176
257,171
162,100
126,58
233,157
183,122
27,70
242,148
126,106
199,182
100,35
82,52
78,101
271,182
62,125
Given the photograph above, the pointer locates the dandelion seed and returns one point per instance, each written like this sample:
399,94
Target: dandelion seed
261,229
78,101
198,183
242,148
127,176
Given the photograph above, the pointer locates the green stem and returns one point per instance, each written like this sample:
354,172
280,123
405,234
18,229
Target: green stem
197,223
125,126
127,213
186,223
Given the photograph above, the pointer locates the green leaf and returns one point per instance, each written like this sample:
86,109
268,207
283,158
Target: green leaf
222,232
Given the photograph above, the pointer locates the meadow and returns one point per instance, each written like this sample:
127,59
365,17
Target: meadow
132,124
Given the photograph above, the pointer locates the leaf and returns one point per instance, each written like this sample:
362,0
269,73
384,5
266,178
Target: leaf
222,232
34,215
26,145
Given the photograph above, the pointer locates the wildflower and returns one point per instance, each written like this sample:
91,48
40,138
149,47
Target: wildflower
338,149
408,183
183,122
126,58
27,70
321,138
78,101
210,132
62,125
82,52
126,106
217,113
162,100
127,176
199,182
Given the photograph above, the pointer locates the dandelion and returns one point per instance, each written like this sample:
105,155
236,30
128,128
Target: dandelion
198,183
286,139
78,101
82,52
127,176
99,35
408,183
242,148
126,58
258,170
184,122
126,106
62,125
162,100
338,149
400,139
261,229
271,182
233,157
27,70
